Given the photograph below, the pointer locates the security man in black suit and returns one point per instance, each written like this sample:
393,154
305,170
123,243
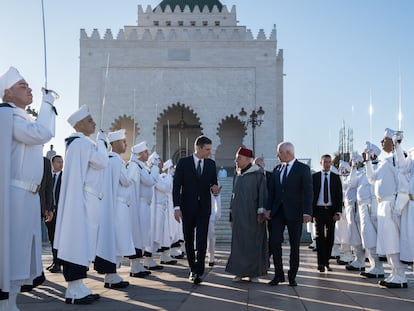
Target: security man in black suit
327,207
57,164
195,179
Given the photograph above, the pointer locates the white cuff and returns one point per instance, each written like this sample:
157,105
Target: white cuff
261,210
177,208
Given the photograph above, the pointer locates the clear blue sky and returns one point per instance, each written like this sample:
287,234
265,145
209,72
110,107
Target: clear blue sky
335,52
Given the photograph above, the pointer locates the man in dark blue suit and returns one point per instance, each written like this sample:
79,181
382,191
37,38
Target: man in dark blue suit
327,207
195,179
289,205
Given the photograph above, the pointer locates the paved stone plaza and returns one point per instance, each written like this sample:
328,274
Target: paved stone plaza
170,290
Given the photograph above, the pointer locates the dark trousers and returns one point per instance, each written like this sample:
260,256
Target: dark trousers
276,229
197,223
4,295
138,254
324,227
51,226
103,266
73,271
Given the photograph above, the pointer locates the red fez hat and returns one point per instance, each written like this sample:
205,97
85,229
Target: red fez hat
245,152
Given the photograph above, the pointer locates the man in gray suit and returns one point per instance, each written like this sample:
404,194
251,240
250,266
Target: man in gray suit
289,205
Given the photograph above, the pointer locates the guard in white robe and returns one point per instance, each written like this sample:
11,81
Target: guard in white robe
211,235
22,138
367,207
385,181
142,200
6,128
117,227
353,219
79,211
162,209
404,206
342,227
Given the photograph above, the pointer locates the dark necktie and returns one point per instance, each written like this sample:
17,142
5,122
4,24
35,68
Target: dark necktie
199,168
285,173
325,189
54,188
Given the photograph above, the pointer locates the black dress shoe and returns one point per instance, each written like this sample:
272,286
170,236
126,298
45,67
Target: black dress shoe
328,268
178,256
276,280
195,278
352,268
87,300
211,264
170,262
121,284
55,269
392,285
157,267
141,274
321,268
341,262
293,282
371,275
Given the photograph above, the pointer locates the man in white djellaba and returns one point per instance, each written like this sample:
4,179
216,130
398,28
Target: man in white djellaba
162,213
143,192
404,206
367,208
79,210
115,231
22,170
385,181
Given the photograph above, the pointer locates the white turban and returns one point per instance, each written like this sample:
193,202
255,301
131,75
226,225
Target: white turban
117,135
8,79
79,115
142,146
167,164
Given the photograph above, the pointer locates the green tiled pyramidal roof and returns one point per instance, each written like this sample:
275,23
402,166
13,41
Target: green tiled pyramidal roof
191,3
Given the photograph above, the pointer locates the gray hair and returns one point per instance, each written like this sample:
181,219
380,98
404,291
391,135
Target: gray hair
286,146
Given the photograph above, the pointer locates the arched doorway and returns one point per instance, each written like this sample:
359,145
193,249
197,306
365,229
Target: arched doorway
231,132
176,129
131,132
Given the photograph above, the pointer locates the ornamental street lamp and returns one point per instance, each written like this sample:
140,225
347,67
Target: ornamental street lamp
255,119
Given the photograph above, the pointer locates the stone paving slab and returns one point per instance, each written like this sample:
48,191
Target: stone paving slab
170,289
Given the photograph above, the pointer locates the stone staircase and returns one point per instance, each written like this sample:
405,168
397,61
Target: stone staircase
223,228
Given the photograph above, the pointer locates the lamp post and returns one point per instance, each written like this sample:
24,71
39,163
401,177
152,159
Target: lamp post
255,119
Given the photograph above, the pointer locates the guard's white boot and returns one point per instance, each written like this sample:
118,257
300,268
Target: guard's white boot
376,268
4,305
112,278
77,290
150,264
166,259
335,250
136,266
12,303
176,252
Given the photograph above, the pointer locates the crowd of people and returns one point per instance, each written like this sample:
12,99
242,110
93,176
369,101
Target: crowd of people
99,209
356,211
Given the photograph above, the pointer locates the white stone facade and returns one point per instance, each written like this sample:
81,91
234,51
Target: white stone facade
196,66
